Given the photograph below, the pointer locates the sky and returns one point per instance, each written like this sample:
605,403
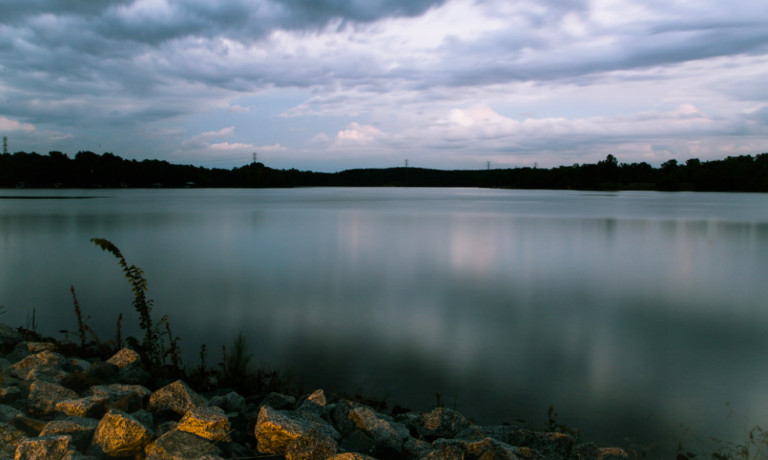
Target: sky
328,85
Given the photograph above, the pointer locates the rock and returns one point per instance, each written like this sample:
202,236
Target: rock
441,423
589,451
89,406
207,422
48,360
45,447
312,446
8,413
10,438
80,429
276,430
314,402
29,425
47,373
351,456
134,374
119,434
124,358
180,445
39,347
446,452
380,430
9,336
44,358
176,398
279,401
10,394
127,398
100,372
230,402
44,395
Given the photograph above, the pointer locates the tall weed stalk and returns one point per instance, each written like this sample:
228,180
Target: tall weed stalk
142,305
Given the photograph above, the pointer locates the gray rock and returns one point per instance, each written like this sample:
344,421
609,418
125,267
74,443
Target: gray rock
180,445
311,446
441,422
127,398
485,448
124,358
119,434
230,402
176,398
315,402
80,429
39,347
351,456
278,401
9,336
7,413
276,430
207,422
89,406
45,361
10,438
135,374
46,447
29,425
43,396
101,372
10,394
381,429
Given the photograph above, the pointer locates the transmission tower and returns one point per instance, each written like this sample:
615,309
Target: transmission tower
406,163
5,145
255,157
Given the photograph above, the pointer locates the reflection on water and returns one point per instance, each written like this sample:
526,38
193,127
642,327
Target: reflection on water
631,312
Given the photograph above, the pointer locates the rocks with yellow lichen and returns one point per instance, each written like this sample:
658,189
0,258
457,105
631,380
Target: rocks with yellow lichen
179,445
53,406
120,434
207,422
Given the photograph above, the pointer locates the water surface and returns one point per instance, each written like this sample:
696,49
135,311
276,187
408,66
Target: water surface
633,313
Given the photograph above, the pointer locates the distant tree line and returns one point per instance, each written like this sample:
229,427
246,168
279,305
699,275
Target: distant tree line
743,173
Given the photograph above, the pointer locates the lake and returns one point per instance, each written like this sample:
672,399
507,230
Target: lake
637,315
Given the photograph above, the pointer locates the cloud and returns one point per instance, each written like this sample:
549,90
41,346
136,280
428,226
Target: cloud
358,134
232,146
223,132
14,125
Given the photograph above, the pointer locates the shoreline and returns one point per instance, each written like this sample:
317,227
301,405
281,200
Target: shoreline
53,401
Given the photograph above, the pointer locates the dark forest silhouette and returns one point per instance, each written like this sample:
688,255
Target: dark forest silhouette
743,173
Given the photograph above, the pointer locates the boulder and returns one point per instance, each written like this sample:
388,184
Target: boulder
39,365
127,398
207,422
381,430
441,422
278,401
56,446
314,402
89,406
39,347
311,446
351,456
180,445
119,434
8,413
488,448
10,394
230,402
43,396
80,429
29,425
9,336
124,358
100,372
10,438
175,398
276,430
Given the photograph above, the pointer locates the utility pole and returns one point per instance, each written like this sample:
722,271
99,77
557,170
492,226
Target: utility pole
5,145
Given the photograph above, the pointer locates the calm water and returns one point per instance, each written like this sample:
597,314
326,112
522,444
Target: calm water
634,313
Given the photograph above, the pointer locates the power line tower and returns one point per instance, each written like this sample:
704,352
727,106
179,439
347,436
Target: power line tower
406,163
5,145
255,157
488,165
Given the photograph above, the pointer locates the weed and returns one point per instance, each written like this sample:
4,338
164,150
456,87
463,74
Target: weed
135,276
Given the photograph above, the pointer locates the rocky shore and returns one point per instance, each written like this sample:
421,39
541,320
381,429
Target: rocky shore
54,406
